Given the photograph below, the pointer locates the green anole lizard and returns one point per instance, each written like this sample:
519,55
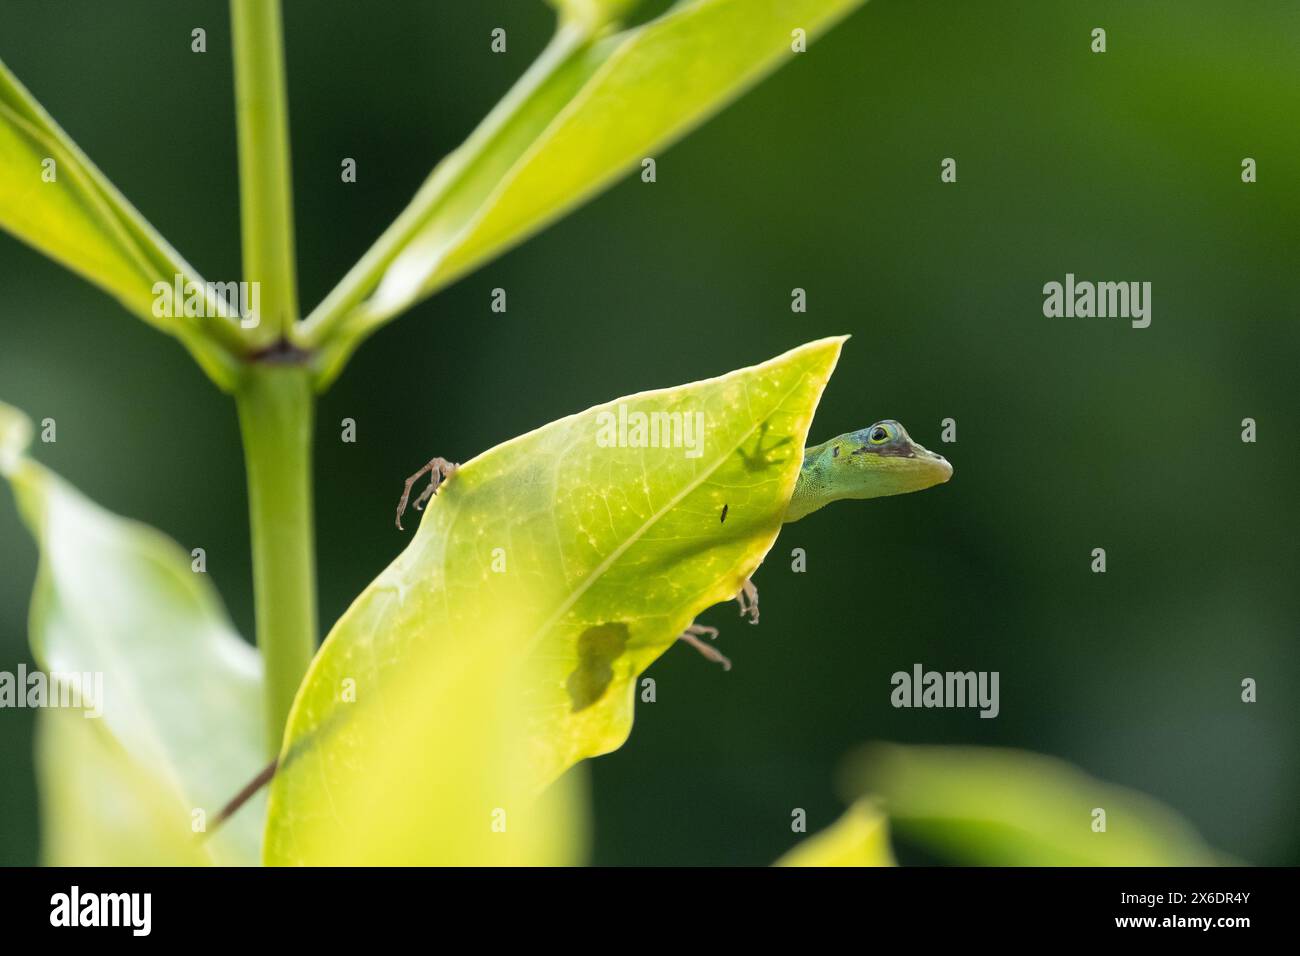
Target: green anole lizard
873,462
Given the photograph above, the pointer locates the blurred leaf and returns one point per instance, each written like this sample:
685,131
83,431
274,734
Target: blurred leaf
83,222
181,725
593,13
859,838
504,644
587,109
15,435
98,807
995,807
428,765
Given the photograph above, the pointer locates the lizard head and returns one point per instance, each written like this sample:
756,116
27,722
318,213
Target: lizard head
881,460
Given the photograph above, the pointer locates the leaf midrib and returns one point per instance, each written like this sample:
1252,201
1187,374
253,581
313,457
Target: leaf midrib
589,580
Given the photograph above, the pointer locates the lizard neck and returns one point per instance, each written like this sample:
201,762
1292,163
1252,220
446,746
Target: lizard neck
810,491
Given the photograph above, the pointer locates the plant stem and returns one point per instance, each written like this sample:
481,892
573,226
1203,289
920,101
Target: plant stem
275,400
275,416
265,190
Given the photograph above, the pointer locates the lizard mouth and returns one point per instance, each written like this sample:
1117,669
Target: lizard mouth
941,467
944,465
906,449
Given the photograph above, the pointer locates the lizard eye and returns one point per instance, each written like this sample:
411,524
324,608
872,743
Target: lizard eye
879,435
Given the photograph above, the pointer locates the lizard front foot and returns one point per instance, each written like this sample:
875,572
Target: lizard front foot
440,470
692,637
748,601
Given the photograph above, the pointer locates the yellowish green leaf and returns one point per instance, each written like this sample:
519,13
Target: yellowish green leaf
178,693
593,14
418,759
15,436
859,838
592,105
995,807
56,200
504,644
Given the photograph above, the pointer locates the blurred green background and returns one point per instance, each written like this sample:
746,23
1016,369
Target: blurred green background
1072,433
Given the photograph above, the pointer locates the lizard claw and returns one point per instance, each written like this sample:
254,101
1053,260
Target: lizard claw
748,601
692,636
440,471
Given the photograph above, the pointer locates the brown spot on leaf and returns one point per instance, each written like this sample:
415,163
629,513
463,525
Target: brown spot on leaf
598,648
